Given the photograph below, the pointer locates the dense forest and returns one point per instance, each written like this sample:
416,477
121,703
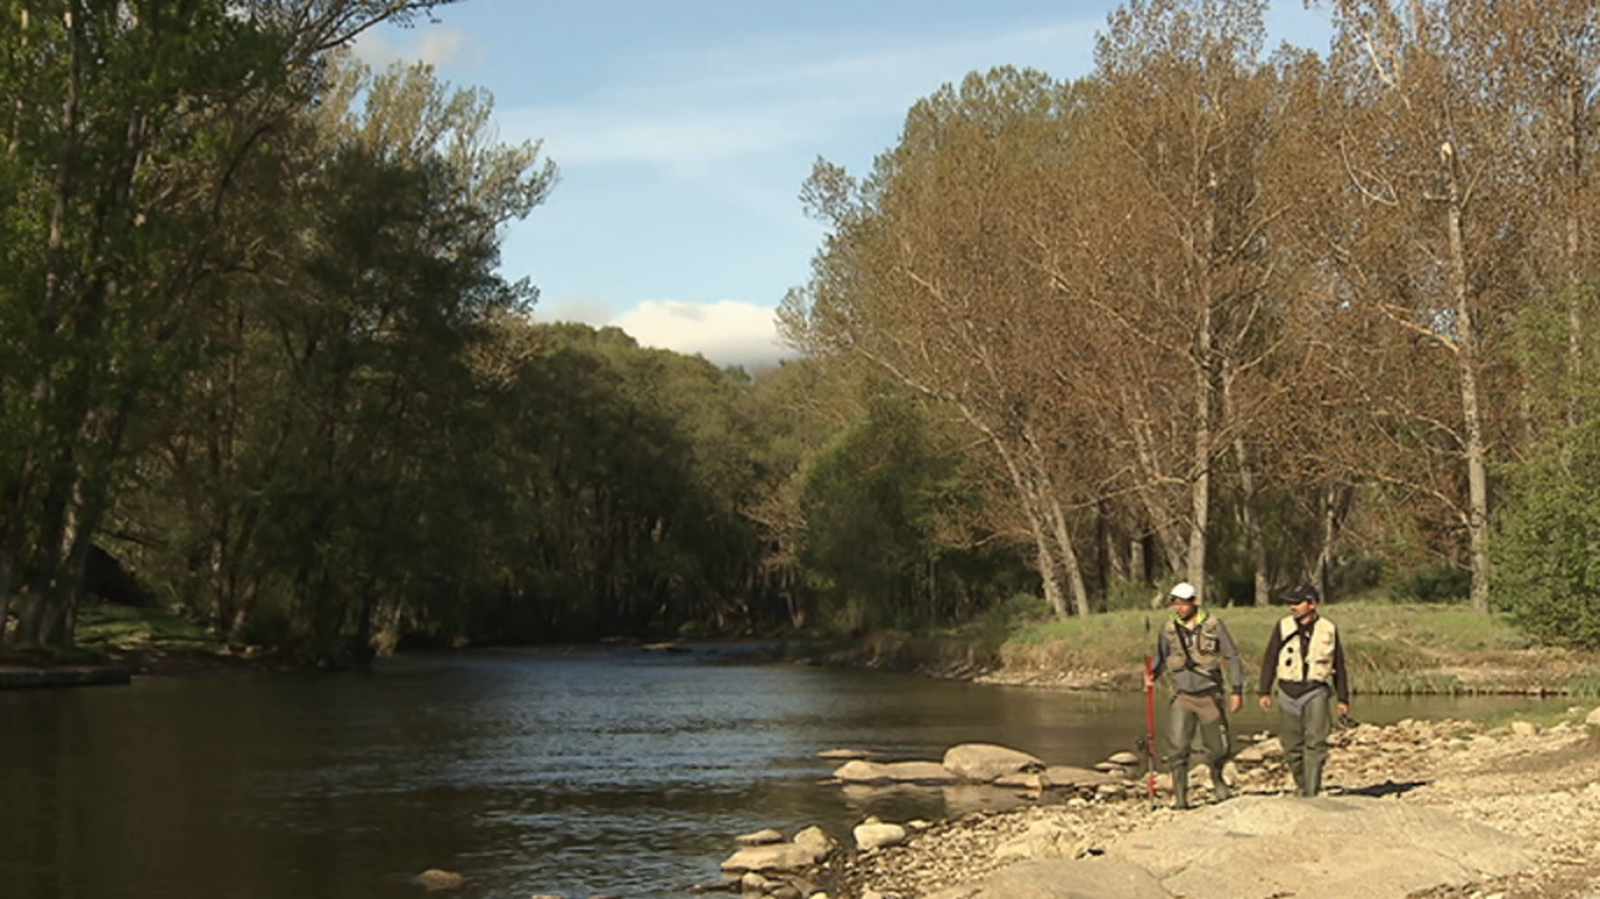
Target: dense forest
1217,311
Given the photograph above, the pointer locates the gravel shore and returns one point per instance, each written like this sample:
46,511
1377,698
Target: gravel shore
1539,783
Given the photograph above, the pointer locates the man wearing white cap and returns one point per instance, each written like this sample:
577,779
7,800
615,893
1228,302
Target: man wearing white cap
1193,647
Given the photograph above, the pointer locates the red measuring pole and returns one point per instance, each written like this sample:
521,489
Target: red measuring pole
1150,726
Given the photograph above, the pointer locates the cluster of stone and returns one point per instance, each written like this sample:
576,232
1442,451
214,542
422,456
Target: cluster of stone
768,865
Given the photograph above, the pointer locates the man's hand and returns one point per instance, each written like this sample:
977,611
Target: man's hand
1266,703
1236,702
1344,709
1149,681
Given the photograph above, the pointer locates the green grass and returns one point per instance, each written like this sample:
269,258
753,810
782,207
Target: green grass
108,627
1586,685
1396,648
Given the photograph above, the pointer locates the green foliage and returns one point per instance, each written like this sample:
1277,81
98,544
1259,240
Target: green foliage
1010,617
105,627
890,539
1433,584
1547,546
1547,564
1587,685
1130,596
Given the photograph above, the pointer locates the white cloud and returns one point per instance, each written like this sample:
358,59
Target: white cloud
727,332
437,46
585,310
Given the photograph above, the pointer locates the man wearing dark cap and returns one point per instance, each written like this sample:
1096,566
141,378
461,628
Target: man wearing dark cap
1305,659
1193,647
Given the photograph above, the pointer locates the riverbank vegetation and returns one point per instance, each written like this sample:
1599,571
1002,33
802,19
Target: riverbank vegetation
1391,647
1214,312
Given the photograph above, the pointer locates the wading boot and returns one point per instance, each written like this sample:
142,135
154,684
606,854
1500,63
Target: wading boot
1180,788
1219,785
1311,785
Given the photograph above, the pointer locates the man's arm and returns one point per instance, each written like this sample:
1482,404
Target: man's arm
1230,657
1269,667
1341,675
1161,652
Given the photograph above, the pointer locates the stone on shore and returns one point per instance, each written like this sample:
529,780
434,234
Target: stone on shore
817,840
877,834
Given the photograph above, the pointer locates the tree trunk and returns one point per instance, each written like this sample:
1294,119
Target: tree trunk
1200,473
1249,517
1251,522
1161,527
1336,499
1476,451
1069,556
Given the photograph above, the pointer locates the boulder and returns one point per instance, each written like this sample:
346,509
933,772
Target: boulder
1071,776
864,772
759,838
1090,878
440,879
876,835
1257,847
774,857
817,840
1043,839
1021,781
983,762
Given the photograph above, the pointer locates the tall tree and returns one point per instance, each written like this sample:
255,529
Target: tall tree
1175,261
1429,243
123,124
925,278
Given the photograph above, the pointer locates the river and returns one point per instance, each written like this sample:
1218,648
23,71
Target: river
579,773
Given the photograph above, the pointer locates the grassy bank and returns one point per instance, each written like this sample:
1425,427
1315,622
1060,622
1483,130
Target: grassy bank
1391,648
143,640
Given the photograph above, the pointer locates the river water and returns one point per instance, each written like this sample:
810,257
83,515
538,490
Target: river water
579,773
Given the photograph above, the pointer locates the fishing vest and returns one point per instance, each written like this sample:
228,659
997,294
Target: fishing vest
1204,644
1318,662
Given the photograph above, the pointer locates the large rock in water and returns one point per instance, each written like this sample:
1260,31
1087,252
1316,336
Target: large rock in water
1260,847
984,762
894,772
774,857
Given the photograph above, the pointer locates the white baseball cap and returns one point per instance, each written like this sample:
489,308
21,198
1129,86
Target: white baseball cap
1181,590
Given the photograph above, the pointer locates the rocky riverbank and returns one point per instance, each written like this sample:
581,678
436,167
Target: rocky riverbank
1428,810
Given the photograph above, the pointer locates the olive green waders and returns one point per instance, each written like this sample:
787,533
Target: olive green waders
1201,713
1306,722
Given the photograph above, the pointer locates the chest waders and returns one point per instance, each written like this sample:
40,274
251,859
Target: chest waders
1202,714
1305,659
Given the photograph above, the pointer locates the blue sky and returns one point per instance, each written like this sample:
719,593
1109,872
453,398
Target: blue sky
683,130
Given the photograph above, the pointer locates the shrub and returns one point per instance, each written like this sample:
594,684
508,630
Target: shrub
1434,584
1133,595
1546,563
